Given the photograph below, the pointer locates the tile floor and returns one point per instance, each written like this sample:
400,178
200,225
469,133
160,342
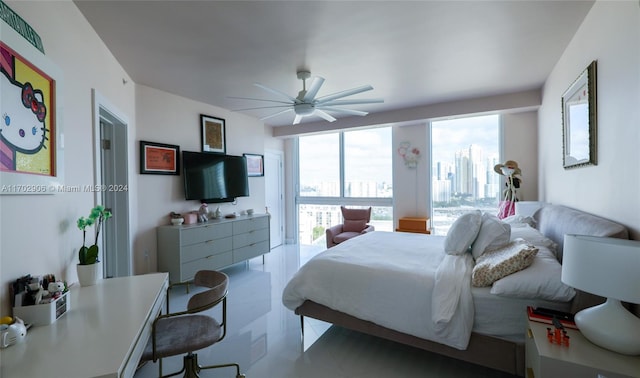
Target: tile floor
264,336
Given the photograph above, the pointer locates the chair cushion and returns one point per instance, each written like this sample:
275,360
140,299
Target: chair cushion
345,236
183,334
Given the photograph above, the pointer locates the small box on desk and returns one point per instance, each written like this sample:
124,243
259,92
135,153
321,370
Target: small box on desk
44,314
414,224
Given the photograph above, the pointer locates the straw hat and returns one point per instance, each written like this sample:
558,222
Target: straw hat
508,164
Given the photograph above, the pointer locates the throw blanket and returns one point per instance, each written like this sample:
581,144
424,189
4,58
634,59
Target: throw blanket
394,279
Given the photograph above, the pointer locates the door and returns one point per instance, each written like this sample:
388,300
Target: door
274,194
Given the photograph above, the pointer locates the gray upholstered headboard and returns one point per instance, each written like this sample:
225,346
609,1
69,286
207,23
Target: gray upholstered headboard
554,221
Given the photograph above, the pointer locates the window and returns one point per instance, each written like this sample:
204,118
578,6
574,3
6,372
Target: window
352,168
464,152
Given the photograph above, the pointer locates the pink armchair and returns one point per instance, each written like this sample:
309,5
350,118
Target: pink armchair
355,224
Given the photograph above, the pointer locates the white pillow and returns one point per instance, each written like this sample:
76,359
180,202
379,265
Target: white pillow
493,234
519,220
499,263
541,280
462,233
533,236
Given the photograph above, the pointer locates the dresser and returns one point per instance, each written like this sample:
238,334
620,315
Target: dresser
185,249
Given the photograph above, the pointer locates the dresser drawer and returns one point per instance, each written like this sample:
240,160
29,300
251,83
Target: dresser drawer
250,251
212,262
204,233
250,224
207,248
251,237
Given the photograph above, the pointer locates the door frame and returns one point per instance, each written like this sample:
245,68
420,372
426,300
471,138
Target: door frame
103,109
279,211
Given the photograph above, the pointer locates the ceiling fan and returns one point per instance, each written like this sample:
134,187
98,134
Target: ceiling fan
306,103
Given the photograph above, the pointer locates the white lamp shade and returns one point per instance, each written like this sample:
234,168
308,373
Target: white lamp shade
607,267
610,268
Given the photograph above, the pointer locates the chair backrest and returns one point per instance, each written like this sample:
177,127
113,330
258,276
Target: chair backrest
217,282
356,214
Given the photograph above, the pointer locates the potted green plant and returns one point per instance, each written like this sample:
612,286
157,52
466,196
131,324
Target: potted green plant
88,256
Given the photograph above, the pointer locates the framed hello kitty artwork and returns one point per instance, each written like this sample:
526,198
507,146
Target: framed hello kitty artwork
31,152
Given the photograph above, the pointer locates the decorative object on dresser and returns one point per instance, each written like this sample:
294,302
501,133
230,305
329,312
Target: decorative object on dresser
579,121
159,158
607,267
213,134
183,250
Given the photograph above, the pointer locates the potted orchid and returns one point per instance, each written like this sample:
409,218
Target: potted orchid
88,256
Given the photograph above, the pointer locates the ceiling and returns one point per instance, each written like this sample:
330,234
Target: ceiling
413,53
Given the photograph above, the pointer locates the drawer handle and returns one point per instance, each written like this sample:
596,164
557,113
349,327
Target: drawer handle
530,333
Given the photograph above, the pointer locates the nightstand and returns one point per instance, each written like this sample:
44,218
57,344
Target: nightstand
581,359
417,225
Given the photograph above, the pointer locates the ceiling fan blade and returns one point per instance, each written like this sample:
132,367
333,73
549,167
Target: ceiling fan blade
262,107
275,91
258,99
276,114
350,102
297,119
342,111
348,92
313,89
322,114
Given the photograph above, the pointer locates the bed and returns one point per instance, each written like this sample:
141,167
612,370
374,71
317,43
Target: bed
405,288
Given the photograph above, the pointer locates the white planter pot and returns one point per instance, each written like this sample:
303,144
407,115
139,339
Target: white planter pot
88,274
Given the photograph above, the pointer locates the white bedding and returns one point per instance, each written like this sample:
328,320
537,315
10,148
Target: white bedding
389,279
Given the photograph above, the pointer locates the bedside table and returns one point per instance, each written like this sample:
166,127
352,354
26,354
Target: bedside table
417,225
581,359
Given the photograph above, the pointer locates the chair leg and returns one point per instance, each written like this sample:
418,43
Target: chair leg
237,366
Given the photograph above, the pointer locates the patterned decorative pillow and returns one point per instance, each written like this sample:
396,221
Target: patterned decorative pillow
501,262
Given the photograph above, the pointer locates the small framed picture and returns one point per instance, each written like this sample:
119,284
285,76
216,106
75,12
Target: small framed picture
255,165
159,158
213,134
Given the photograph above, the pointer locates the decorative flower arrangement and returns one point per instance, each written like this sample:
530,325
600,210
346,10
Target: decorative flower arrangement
410,155
88,256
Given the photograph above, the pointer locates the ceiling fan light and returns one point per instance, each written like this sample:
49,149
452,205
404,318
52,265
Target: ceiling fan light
304,109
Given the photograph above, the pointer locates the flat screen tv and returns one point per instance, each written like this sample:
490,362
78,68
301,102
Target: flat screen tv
214,178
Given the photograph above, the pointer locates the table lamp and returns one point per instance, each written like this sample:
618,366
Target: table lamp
610,268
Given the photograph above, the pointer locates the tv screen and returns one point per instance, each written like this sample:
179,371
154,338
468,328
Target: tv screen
213,178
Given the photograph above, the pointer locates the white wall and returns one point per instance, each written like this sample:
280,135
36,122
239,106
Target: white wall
520,143
171,119
609,34
38,233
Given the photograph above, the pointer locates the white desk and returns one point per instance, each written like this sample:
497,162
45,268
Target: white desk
102,335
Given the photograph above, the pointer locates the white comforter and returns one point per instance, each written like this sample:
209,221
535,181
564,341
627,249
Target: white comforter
401,281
